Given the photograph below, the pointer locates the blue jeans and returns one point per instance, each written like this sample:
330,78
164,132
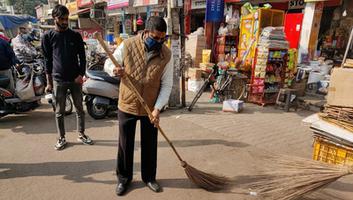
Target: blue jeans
60,92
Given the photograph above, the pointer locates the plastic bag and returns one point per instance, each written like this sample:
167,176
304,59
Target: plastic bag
24,88
38,85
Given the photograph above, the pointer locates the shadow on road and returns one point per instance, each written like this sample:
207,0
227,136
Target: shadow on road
81,172
74,171
42,121
179,143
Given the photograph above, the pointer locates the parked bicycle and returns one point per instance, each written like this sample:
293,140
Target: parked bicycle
225,84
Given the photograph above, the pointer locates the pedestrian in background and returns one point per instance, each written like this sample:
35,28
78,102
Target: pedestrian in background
7,60
65,57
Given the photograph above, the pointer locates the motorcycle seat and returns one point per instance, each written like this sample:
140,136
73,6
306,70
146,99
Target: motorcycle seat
4,81
102,76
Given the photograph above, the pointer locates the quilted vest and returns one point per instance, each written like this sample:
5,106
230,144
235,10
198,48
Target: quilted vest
144,73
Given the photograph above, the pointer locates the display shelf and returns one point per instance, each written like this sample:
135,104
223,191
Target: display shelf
267,92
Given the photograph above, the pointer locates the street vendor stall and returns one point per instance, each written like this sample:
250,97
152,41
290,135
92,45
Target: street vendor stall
251,27
10,23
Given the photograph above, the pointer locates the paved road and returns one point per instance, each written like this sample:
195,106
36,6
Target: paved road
223,143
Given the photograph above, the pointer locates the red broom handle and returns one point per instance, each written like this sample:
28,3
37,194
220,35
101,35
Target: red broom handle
99,37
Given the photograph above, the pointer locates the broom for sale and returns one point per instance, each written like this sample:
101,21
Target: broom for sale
289,178
204,180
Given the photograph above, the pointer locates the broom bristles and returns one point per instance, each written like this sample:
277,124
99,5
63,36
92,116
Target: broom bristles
207,181
291,177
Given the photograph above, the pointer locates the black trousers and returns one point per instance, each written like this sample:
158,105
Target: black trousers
60,93
125,158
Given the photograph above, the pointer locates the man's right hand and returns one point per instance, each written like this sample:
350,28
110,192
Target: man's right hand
49,88
118,71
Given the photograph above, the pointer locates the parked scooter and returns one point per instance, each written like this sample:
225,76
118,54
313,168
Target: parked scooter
68,103
10,102
101,93
95,61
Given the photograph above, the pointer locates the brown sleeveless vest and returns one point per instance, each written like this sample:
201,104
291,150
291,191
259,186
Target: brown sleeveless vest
145,75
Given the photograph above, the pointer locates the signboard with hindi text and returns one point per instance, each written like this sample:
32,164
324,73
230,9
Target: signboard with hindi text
138,3
115,4
214,10
84,3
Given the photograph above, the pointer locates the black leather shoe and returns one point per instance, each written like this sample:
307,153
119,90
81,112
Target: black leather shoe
121,189
154,186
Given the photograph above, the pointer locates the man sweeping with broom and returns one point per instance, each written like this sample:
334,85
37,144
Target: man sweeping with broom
147,62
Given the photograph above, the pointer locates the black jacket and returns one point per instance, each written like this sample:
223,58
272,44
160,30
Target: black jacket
65,55
7,56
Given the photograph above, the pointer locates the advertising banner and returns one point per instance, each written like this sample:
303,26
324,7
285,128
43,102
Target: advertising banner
214,10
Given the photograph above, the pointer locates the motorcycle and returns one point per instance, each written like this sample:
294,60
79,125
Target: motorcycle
101,93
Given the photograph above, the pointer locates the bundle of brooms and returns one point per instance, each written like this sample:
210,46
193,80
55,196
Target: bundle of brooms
290,178
341,116
207,181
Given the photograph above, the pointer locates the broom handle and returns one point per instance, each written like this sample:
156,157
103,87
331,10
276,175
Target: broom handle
137,94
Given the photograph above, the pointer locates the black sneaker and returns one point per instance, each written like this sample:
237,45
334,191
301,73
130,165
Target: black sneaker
60,144
85,139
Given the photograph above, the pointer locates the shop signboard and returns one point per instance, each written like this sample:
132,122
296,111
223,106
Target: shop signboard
214,10
128,26
84,3
72,6
88,33
198,4
296,4
138,3
115,4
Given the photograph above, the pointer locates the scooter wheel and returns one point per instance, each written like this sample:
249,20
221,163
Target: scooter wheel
68,105
96,112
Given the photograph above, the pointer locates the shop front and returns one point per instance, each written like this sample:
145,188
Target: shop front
335,28
241,37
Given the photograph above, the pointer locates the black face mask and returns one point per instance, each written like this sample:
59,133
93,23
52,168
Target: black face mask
152,44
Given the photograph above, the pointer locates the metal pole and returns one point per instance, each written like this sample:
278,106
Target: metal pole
182,61
347,49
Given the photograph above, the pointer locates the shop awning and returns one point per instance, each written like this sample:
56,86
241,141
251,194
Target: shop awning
73,17
256,1
13,21
47,26
81,11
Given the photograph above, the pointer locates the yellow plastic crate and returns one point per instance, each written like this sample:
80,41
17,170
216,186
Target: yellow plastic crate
331,152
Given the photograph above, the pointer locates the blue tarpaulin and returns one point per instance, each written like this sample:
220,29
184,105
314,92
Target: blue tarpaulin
13,21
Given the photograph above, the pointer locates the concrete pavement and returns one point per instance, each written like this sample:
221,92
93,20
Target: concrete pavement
223,143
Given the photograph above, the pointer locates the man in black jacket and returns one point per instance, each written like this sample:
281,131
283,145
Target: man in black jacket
7,59
65,57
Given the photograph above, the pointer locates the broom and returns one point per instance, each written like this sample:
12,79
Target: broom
290,178
202,179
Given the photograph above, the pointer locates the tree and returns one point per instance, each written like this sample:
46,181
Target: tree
26,6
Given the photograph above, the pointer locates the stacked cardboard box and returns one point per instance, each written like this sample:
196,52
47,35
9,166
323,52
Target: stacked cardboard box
194,46
206,66
340,89
195,73
349,63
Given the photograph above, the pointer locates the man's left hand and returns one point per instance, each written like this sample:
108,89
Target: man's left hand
155,117
79,80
